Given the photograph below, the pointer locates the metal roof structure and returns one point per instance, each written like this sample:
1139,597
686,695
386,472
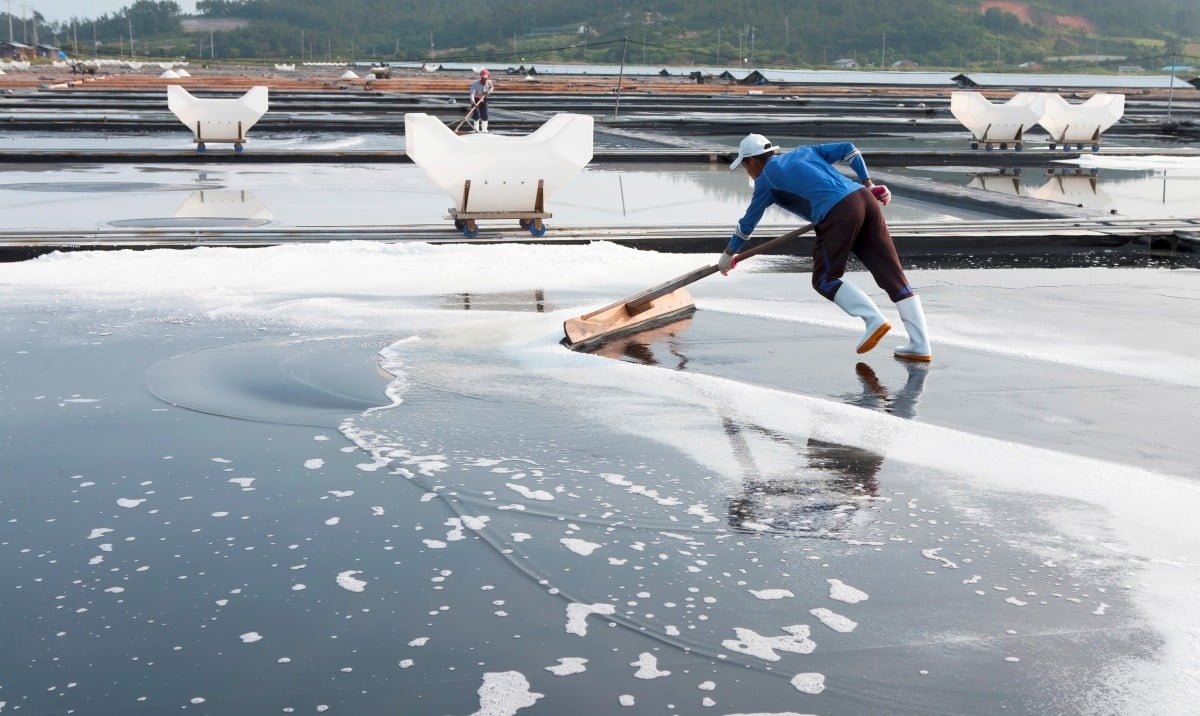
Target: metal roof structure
1040,81
908,78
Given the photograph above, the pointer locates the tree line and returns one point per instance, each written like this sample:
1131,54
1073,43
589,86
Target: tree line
753,33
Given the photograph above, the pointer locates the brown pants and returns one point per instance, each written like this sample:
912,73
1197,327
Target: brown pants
856,225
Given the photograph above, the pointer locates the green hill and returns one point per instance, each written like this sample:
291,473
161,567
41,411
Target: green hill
757,33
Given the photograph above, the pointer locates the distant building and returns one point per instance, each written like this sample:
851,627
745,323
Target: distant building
50,51
1034,66
1130,68
17,51
1177,68
212,24
905,65
845,62
1086,58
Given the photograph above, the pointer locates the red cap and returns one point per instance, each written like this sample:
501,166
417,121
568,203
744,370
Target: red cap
483,73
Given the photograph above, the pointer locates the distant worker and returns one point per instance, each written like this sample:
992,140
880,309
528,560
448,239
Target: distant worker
480,90
848,220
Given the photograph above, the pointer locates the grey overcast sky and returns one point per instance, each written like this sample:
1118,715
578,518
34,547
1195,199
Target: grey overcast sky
64,10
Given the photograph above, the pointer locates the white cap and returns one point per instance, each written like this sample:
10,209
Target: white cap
752,146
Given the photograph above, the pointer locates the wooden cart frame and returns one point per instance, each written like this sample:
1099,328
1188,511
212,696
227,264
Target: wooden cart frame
467,221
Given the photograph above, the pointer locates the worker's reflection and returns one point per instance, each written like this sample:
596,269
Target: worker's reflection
823,492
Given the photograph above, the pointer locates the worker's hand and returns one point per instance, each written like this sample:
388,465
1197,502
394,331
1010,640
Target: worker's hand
882,194
726,263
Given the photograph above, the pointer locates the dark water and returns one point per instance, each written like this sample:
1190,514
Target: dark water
215,517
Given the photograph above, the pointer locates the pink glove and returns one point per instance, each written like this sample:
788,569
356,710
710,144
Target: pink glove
882,194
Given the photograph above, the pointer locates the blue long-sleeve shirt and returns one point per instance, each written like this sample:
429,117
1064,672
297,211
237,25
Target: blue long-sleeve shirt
805,182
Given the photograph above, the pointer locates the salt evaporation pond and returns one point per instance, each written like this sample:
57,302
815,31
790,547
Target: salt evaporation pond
366,478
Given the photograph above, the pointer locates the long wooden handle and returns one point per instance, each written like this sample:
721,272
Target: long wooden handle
635,304
470,111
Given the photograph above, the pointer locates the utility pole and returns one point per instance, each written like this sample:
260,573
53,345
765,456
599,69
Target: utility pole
302,45
718,45
621,76
10,35
883,52
1171,89
130,19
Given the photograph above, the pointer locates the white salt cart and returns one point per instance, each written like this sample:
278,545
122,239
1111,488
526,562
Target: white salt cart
493,176
997,124
218,119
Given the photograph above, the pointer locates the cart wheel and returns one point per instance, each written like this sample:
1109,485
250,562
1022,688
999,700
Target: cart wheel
525,223
1095,147
988,147
1019,146
200,147
458,224
1053,146
537,228
470,229
238,148
1004,145
974,145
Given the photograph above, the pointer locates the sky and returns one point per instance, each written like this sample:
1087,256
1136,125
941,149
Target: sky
64,10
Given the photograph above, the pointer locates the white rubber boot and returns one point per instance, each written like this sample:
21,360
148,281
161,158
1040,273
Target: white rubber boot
853,301
485,129
913,317
475,125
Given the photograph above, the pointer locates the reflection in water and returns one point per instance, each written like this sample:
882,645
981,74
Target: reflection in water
223,204
826,494
1080,187
903,403
1075,185
816,489
210,208
1002,182
534,301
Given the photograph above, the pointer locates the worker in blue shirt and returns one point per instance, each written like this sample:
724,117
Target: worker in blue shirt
848,220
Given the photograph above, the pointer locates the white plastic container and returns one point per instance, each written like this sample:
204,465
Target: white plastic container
1002,124
217,119
504,170
1081,124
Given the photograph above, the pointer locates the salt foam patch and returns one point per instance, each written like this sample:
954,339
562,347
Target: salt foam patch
809,683
346,580
647,665
843,592
762,647
568,665
577,615
833,620
504,693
